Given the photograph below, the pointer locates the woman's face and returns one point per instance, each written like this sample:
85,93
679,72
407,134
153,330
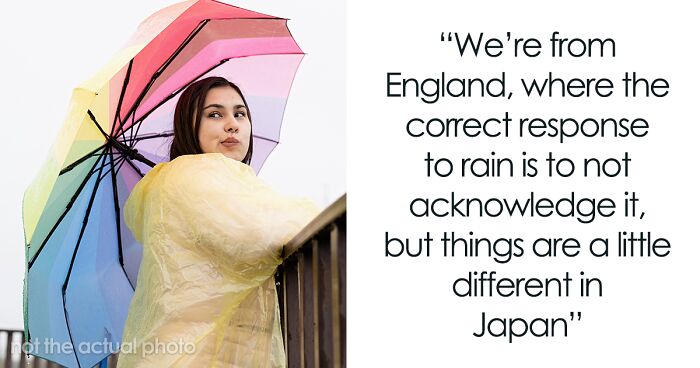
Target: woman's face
224,126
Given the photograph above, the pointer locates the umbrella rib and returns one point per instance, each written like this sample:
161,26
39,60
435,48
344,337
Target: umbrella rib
117,218
121,97
94,120
131,132
121,163
119,160
134,167
80,160
102,166
134,134
160,70
69,205
167,133
265,138
75,252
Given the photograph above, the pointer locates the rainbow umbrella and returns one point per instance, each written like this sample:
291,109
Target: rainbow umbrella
82,261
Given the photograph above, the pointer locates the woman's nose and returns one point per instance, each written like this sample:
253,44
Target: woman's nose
231,125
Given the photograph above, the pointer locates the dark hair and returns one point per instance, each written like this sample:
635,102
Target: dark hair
190,104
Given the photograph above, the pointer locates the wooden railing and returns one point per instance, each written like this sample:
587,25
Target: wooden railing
311,289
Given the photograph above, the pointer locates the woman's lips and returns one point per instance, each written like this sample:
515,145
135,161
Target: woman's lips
230,142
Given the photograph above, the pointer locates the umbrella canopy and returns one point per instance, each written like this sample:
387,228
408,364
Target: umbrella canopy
82,261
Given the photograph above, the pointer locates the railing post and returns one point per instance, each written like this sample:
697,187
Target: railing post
311,305
292,317
342,305
8,349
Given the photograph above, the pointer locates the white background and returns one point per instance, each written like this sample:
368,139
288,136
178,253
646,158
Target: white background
402,312
49,47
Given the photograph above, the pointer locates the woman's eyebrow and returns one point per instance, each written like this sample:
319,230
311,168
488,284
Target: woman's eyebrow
219,106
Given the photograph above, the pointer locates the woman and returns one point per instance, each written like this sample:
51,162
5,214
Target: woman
212,234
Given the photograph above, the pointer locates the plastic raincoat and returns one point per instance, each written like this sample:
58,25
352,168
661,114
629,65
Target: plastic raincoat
212,234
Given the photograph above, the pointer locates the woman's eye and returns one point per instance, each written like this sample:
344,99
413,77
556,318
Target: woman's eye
239,114
214,115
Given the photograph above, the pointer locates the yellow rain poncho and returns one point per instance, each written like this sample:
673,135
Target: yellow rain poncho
212,234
